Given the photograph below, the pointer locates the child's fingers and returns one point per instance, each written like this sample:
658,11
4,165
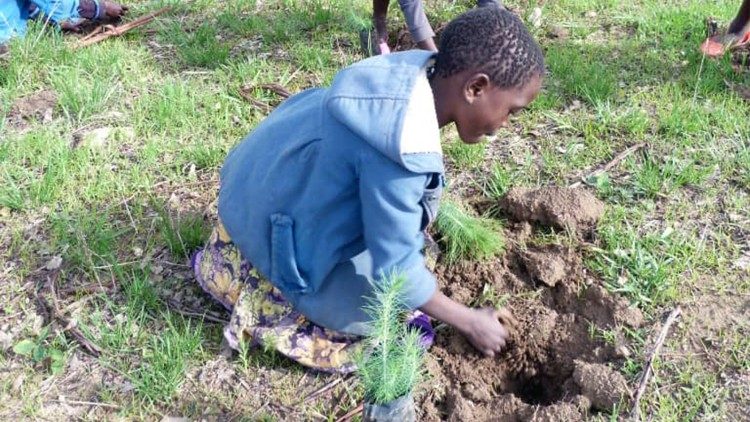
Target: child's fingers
507,319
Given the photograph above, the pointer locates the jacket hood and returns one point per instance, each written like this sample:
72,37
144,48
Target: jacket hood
388,102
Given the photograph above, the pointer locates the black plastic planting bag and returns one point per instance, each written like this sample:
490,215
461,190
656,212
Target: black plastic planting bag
399,410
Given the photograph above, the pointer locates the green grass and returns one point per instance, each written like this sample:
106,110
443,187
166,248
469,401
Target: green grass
183,234
466,237
465,156
126,214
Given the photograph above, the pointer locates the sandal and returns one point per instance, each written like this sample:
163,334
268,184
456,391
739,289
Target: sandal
717,45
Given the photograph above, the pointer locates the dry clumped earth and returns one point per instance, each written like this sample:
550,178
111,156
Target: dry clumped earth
553,369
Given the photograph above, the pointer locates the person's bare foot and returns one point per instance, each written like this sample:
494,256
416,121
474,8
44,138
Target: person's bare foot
718,44
111,10
737,35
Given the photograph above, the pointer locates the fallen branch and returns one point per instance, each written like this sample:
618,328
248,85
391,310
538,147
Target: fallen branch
53,313
322,389
246,92
176,307
87,403
356,411
607,167
276,89
106,31
673,316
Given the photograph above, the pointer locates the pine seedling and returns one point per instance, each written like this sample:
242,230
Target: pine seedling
465,237
391,363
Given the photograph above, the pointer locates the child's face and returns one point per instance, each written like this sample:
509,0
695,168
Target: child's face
485,108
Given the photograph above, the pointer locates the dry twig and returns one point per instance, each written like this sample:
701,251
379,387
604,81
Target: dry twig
53,312
106,31
246,92
176,307
673,316
323,389
607,167
87,403
356,411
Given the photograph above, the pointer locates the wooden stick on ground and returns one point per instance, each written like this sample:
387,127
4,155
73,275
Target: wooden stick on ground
53,311
673,316
176,307
619,157
356,411
323,389
106,31
87,403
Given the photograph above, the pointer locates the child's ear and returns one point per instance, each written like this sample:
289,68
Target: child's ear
476,86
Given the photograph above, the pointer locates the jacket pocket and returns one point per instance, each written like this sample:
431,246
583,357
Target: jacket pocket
284,272
431,199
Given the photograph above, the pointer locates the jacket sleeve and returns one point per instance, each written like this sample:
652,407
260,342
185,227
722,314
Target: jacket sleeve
391,215
59,10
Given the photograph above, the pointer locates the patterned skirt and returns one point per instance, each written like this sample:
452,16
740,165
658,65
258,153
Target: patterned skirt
261,317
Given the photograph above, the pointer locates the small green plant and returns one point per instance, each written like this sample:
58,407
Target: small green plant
183,234
42,353
498,182
392,363
491,297
464,236
466,156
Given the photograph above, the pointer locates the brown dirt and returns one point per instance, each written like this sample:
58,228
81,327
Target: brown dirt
37,107
600,384
552,369
576,210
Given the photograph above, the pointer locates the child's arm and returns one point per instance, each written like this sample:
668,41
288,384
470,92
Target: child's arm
391,216
482,327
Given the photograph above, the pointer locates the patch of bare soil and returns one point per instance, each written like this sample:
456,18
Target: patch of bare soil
37,107
553,368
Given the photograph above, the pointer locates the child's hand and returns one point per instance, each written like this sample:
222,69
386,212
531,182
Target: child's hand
486,332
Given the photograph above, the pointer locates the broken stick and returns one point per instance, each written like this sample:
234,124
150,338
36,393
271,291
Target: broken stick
607,167
673,316
54,313
356,411
106,31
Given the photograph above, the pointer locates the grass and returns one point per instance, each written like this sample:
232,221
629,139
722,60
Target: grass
465,237
124,215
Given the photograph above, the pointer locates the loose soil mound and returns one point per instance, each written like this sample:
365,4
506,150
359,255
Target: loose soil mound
553,368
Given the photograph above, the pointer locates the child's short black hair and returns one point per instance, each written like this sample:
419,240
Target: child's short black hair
491,40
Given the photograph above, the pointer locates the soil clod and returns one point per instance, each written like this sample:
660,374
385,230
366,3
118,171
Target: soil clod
576,210
604,387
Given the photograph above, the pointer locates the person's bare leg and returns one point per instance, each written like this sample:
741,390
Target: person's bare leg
428,44
741,23
380,19
419,26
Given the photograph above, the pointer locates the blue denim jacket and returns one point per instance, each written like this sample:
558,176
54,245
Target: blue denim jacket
334,188
15,13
